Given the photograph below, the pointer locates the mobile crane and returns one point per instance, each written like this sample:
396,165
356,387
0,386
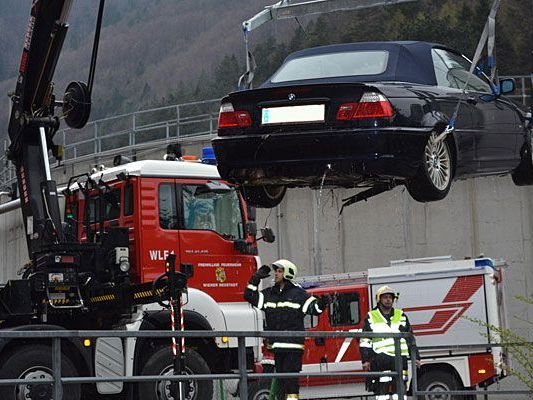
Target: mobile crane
68,283
104,266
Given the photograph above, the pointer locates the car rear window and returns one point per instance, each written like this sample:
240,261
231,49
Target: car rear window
330,65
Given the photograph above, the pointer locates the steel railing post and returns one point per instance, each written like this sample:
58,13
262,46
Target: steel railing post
243,381
400,388
96,144
524,96
133,133
414,375
56,367
178,121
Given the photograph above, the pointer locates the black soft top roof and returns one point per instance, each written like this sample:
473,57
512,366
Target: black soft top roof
408,62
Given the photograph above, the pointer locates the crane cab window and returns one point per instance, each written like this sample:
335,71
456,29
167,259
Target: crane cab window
128,199
344,309
168,209
106,207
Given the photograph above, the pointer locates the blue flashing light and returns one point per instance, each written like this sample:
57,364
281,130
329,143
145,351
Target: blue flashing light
484,262
208,156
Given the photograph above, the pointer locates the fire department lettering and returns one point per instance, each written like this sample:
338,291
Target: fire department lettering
159,255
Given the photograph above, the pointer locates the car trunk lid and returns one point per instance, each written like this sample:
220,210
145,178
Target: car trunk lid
301,108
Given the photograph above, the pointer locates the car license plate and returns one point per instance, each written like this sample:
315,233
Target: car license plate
293,114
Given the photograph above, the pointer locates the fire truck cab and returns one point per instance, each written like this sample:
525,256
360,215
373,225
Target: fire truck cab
182,208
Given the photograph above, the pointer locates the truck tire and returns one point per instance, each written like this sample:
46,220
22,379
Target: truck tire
440,381
160,363
523,174
259,390
35,362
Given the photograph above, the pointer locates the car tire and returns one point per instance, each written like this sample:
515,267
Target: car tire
161,363
433,179
439,381
35,362
523,174
266,196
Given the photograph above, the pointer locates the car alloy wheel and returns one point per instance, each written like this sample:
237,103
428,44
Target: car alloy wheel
437,162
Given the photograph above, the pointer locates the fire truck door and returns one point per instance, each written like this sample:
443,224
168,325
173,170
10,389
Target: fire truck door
345,313
159,233
211,220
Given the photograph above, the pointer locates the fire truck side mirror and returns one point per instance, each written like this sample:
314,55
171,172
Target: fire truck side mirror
268,235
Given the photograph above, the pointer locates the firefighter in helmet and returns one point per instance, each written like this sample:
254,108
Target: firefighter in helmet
377,354
285,305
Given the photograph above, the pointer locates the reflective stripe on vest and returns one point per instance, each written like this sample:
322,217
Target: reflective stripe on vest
378,324
278,345
282,304
308,303
260,301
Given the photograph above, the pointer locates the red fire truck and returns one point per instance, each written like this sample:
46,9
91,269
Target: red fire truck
436,294
183,208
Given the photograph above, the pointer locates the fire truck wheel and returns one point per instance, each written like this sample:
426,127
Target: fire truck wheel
35,362
259,390
160,363
440,382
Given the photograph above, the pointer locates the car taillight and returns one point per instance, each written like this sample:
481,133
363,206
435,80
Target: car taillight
371,105
229,118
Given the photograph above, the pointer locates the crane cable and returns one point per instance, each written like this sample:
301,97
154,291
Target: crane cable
487,37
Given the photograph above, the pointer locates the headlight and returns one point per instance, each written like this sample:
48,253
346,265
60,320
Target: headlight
124,266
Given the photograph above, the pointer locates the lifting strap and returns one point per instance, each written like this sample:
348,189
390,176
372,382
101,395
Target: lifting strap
245,80
487,37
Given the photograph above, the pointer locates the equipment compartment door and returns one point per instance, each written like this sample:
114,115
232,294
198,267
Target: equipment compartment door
346,312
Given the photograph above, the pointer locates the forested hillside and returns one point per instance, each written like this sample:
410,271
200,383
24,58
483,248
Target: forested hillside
158,52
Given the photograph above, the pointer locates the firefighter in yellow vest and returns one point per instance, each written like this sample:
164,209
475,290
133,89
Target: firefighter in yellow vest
377,354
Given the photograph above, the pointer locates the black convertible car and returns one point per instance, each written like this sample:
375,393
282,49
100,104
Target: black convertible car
370,115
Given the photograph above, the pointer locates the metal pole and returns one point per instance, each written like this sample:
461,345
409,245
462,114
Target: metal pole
243,384
95,138
134,127
414,375
56,367
45,154
400,388
176,388
178,121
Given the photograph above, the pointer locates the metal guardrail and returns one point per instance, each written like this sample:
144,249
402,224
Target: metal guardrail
131,132
243,375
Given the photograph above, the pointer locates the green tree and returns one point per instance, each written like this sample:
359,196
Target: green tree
519,348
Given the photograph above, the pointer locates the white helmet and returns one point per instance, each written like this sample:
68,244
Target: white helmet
289,269
386,290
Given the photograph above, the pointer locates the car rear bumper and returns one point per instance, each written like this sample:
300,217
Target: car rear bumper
387,152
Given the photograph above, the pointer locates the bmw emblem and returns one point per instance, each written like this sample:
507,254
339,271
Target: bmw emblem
292,97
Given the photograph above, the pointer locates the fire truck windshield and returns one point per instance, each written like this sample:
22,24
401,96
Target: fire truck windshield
219,211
